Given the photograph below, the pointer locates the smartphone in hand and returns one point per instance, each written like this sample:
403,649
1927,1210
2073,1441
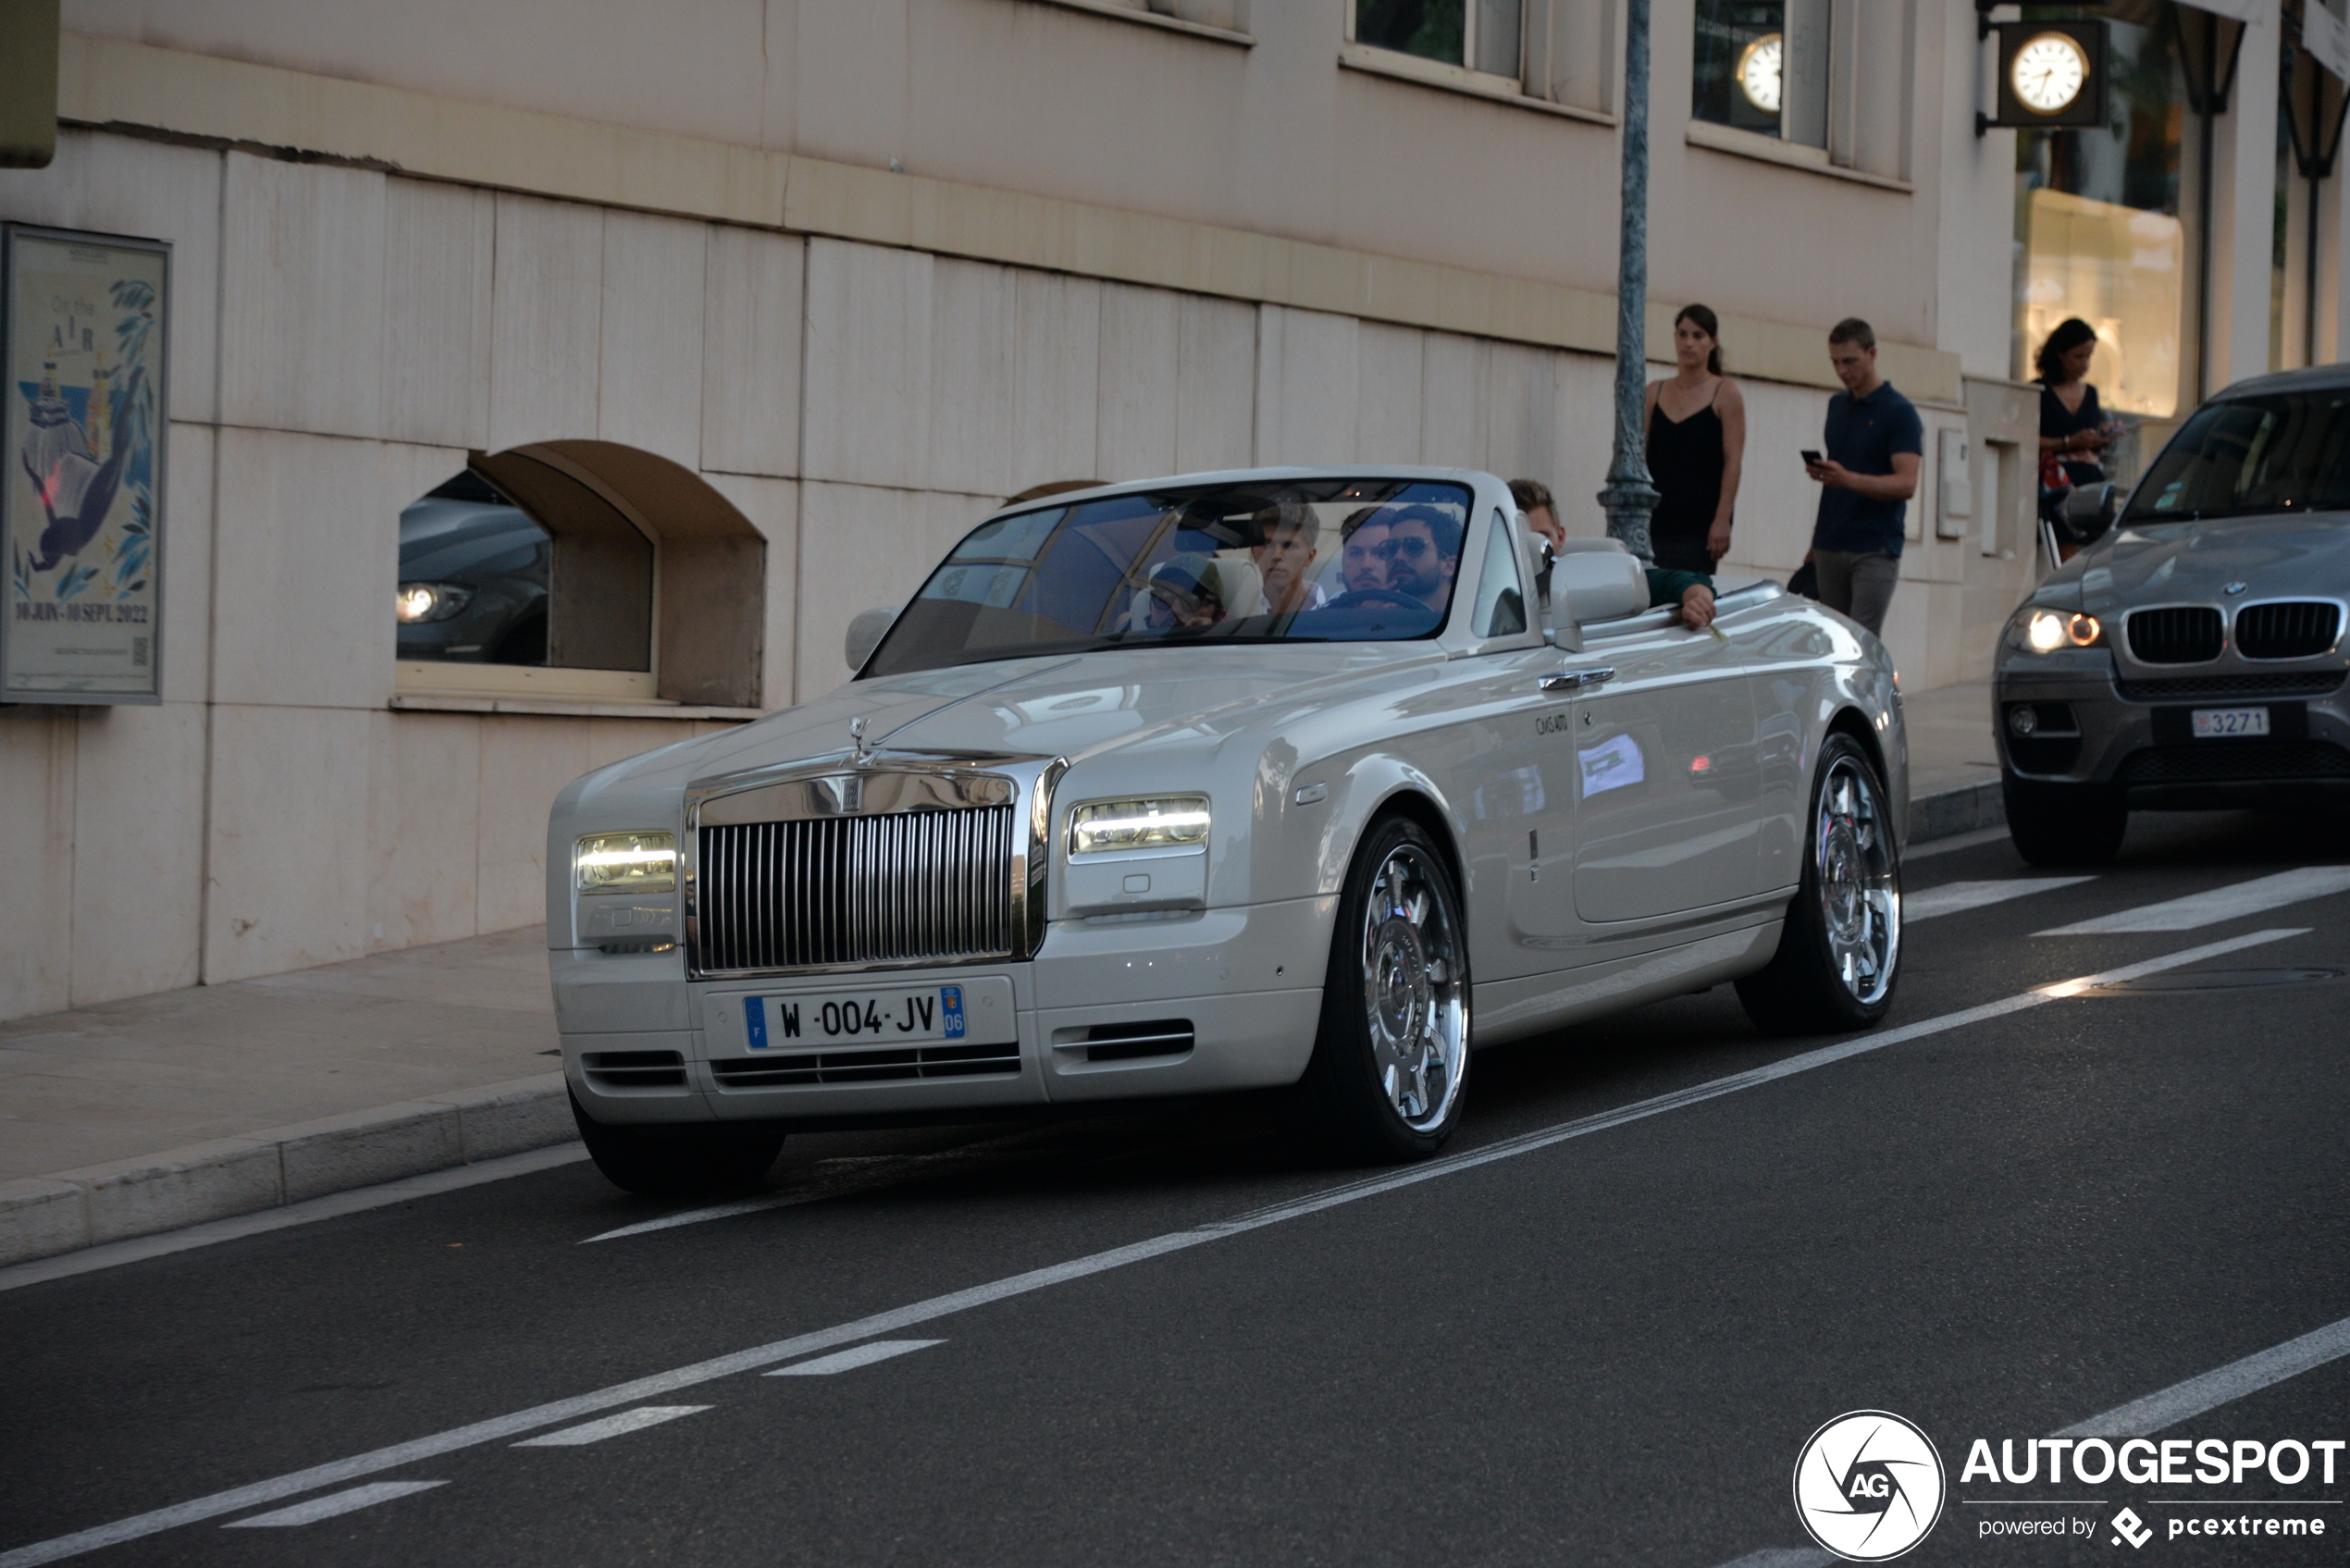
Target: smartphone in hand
1810,458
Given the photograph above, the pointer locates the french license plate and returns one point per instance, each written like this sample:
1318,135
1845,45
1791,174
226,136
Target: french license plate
2216,723
930,1014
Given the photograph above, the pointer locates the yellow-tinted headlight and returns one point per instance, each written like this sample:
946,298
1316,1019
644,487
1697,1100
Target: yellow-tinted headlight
2045,631
626,862
1164,822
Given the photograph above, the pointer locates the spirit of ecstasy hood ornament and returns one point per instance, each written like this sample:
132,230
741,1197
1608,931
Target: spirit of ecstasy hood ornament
857,733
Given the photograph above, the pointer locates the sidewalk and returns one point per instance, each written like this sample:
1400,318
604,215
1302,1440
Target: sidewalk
273,1090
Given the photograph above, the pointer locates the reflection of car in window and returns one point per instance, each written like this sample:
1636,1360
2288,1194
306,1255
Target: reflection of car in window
473,577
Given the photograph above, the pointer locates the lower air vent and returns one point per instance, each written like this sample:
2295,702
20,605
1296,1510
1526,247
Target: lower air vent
1130,1042
2223,761
635,1069
2178,634
2301,630
785,1068
2316,683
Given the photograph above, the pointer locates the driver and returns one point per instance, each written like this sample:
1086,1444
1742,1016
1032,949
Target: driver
1422,552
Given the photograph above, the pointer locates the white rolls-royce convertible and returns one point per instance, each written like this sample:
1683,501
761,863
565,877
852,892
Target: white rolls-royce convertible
1227,782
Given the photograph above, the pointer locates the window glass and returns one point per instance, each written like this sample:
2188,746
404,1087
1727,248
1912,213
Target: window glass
1434,30
473,577
2099,210
1501,595
1332,560
1739,52
2283,452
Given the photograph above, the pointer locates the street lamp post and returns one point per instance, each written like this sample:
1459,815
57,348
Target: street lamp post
1630,498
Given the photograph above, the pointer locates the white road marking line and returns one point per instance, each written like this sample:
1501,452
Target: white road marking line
138,1249
2143,1417
628,1421
715,1211
327,1507
2214,1389
762,1356
2198,909
1952,897
876,1170
849,1361
1933,847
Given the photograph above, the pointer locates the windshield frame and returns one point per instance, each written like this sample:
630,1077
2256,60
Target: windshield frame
1482,496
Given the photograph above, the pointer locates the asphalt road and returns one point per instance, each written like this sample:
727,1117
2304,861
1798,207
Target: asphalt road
1604,1342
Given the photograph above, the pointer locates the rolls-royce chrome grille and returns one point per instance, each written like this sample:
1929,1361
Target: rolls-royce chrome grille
2177,633
904,887
2302,629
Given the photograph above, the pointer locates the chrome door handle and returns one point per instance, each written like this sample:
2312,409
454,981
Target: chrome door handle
1578,680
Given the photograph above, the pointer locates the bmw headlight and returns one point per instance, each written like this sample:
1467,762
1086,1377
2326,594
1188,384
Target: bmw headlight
2042,630
626,862
431,602
1166,822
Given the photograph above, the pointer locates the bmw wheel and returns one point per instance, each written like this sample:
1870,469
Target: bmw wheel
1393,1051
1840,950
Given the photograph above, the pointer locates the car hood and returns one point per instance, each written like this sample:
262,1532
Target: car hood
2166,562
1071,707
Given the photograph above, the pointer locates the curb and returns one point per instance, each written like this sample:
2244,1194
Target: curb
40,1217
1948,812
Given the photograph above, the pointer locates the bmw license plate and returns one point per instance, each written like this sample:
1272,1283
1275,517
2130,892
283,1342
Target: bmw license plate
2221,724
924,1016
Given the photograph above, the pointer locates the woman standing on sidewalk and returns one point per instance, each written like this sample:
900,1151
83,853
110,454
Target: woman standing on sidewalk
1696,447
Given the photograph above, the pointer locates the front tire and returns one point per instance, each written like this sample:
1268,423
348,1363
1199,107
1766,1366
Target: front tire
1391,1055
2065,825
671,1162
1840,950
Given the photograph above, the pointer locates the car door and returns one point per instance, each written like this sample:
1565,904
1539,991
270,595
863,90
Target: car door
1665,814
1508,767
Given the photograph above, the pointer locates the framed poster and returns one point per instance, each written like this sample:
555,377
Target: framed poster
83,323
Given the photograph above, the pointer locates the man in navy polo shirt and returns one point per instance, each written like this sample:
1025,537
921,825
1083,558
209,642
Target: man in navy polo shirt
1874,441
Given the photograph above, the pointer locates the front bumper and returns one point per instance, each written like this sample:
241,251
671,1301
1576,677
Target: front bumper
2095,726
643,1045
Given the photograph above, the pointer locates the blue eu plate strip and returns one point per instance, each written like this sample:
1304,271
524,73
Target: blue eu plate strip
951,1008
755,1020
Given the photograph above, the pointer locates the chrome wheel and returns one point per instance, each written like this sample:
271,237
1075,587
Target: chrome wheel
1858,889
1415,994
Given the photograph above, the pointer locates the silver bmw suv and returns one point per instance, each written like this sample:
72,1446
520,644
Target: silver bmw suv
2192,658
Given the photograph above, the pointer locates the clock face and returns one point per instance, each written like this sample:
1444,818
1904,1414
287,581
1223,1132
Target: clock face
2048,73
1759,72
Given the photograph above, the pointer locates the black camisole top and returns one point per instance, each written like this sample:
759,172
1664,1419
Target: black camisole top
1686,462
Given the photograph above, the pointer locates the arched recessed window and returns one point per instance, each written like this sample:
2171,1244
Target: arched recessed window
581,570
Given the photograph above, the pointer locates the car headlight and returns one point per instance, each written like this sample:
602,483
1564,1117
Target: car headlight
626,862
2045,631
1166,822
431,602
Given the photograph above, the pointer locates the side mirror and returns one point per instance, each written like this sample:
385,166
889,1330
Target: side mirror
2089,510
865,634
1598,580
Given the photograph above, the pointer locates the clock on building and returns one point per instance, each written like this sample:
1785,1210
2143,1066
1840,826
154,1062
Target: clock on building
1758,72
2052,75
2048,73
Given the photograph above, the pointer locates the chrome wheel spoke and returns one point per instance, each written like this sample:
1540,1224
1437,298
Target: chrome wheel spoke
1417,1001
1860,897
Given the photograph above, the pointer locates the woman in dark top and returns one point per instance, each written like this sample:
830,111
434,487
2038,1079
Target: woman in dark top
2073,429
1696,446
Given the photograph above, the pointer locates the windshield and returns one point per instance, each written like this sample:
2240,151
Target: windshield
1334,560
2288,451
